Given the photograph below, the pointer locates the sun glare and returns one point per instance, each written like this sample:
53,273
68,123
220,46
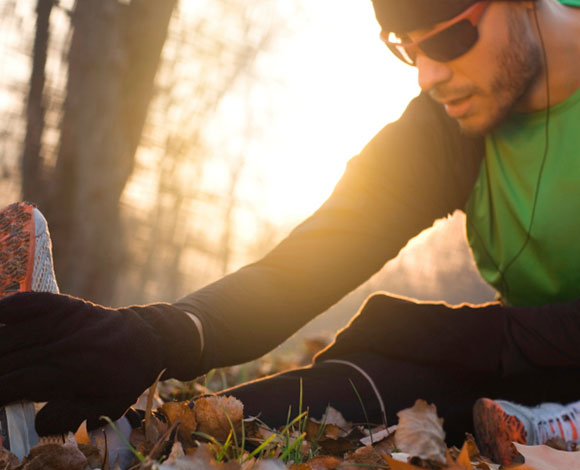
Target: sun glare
339,86
323,88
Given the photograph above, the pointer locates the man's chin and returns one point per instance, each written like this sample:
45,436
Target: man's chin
474,126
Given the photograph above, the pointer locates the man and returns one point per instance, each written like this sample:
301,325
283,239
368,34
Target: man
494,133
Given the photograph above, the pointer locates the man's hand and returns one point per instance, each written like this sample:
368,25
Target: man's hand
86,360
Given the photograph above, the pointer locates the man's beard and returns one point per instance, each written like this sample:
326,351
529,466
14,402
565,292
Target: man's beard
519,66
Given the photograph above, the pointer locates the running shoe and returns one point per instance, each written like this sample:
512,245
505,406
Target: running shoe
25,265
498,423
25,251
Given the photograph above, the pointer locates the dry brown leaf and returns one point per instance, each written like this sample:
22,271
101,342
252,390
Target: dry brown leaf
215,415
420,432
176,453
544,457
324,462
316,431
248,464
336,446
8,460
472,448
365,457
398,465
300,466
183,413
203,458
93,454
464,459
334,417
82,435
139,440
560,443
378,434
55,457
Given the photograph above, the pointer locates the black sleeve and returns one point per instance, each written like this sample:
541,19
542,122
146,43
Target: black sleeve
414,171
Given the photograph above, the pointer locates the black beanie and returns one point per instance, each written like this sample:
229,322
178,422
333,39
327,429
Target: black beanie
407,15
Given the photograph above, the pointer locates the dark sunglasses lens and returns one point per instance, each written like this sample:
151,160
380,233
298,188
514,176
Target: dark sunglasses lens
451,43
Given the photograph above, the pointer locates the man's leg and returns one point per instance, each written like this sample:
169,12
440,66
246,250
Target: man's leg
393,352
396,351
385,387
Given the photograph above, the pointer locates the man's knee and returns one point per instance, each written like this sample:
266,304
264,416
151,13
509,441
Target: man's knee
380,314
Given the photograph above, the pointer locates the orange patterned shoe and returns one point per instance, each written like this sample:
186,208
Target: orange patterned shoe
498,423
16,248
25,251
25,265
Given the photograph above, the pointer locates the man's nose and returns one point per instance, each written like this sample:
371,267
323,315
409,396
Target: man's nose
431,72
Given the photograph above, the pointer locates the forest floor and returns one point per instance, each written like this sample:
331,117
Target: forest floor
212,433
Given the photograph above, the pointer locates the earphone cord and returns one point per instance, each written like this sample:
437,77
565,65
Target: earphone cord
502,273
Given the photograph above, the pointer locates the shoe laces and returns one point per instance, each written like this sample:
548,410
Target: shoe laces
565,423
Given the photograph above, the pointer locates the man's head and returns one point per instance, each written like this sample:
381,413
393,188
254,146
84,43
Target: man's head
478,59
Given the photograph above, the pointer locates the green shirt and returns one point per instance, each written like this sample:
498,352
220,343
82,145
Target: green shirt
547,268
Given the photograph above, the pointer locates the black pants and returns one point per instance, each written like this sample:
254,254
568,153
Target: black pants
395,351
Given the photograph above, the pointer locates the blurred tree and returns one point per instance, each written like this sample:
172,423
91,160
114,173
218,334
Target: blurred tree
185,233
114,54
35,110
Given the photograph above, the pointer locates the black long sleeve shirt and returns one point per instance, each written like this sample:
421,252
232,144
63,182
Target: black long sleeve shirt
414,171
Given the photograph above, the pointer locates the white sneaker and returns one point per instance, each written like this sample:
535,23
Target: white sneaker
498,423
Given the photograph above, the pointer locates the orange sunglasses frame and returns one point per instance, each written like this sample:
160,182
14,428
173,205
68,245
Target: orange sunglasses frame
406,51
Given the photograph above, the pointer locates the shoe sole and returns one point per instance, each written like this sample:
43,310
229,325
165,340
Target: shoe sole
495,430
16,248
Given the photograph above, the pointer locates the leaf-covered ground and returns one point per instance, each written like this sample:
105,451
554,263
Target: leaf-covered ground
212,433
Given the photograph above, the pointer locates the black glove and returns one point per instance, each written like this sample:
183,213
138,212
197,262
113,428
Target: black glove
86,360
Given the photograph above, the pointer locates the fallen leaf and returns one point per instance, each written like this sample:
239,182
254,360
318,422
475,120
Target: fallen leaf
334,417
336,446
300,466
324,462
365,457
176,453
559,443
8,460
269,464
216,415
55,457
420,432
399,465
183,413
544,457
378,434
248,464
464,459
202,459
316,431
93,454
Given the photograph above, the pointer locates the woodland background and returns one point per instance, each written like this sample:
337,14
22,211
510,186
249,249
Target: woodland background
107,122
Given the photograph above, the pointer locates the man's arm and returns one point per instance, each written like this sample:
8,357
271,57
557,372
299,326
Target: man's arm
414,171
86,360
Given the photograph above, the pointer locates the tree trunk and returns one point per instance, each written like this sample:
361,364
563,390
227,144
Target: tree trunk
31,155
114,54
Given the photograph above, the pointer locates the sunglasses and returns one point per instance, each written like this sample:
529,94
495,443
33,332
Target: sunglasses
448,41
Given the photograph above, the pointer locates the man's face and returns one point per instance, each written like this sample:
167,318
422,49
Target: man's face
480,88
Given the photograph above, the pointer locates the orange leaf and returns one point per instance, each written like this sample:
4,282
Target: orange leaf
398,465
463,457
